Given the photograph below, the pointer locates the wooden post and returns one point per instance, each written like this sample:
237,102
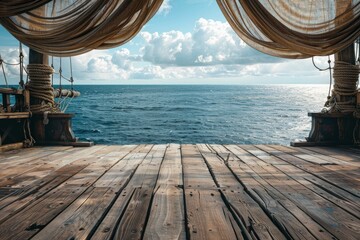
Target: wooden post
37,58
335,128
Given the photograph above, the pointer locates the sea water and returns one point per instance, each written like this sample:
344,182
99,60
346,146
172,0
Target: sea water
223,114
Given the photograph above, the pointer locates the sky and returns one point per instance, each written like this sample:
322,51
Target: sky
186,42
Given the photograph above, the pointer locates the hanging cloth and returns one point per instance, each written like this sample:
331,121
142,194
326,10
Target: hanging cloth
294,28
73,27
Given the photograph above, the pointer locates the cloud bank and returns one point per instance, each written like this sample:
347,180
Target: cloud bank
211,50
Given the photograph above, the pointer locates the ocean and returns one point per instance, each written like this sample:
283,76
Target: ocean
223,114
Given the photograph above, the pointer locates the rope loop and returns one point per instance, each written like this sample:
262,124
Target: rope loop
343,98
42,93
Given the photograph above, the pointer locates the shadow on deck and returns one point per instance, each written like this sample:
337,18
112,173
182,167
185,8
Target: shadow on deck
180,192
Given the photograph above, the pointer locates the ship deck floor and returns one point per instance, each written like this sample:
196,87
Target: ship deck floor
187,191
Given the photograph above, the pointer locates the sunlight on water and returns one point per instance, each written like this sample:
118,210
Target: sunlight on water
266,114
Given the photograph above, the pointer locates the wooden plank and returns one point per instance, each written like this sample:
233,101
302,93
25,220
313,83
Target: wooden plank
332,161
312,183
6,102
10,147
15,115
340,153
287,214
349,169
196,174
133,222
26,156
339,179
45,209
23,176
10,172
255,220
330,187
126,218
167,217
81,217
201,194
62,143
334,219
25,195
11,91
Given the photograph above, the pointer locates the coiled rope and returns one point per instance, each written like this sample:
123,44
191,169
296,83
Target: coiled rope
343,98
42,93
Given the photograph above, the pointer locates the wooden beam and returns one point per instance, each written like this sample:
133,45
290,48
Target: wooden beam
37,58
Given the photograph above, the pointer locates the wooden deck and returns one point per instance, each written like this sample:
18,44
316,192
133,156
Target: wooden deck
180,192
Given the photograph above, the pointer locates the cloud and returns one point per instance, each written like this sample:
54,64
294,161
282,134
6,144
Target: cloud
10,55
165,7
211,43
211,51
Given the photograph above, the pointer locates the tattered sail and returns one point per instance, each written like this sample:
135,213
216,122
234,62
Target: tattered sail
284,28
73,27
294,28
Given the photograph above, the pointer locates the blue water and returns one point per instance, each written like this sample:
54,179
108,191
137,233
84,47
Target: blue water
133,114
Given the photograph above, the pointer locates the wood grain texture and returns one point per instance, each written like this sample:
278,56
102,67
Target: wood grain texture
173,191
207,214
334,219
167,217
254,219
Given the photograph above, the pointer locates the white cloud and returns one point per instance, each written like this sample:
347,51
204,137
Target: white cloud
211,43
10,55
165,7
211,51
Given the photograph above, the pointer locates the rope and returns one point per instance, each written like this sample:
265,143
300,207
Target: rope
21,61
325,69
343,97
40,88
52,66
71,75
29,140
3,70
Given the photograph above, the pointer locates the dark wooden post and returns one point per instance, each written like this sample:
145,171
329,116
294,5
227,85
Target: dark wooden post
37,58
335,127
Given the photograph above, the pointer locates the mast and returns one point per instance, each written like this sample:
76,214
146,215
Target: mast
37,58
339,125
346,55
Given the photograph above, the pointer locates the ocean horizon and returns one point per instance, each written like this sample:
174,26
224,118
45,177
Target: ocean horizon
183,113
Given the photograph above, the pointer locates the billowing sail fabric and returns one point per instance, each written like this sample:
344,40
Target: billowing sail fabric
15,7
72,27
294,28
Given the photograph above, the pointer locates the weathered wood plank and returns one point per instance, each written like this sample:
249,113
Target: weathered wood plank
81,217
343,154
167,217
347,168
254,219
127,217
336,221
289,216
339,179
54,202
43,166
336,195
201,195
133,222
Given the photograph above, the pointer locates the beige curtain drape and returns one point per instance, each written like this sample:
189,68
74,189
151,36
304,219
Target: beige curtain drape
294,28
15,7
283,28
72,27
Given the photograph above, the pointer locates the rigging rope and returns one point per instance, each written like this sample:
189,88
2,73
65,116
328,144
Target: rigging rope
324,69
42,93
21,61
71,75
343,97
3,70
